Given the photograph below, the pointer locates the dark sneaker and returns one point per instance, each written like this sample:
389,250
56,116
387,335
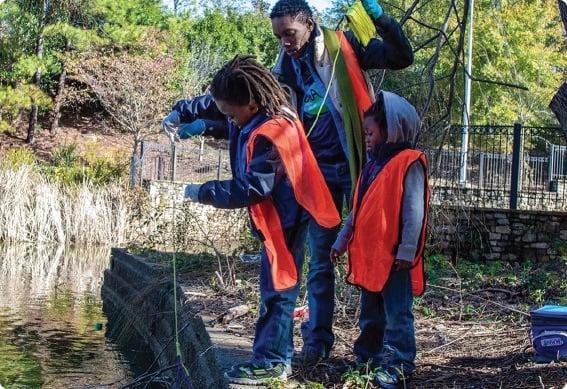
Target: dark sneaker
392,377
308,357
249,374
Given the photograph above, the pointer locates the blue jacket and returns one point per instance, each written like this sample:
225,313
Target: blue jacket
263,177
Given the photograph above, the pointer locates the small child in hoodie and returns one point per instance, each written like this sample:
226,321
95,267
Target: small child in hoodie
384,236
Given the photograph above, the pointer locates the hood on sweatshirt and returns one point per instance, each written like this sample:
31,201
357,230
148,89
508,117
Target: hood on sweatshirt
402,119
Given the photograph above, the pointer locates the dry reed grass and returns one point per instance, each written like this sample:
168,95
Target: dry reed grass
34,209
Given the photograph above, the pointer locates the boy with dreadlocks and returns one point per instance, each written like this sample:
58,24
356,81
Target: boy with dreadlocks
324,71
276,176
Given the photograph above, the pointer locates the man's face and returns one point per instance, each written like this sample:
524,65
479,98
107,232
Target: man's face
292,33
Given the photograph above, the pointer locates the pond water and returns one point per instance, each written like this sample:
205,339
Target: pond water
52,327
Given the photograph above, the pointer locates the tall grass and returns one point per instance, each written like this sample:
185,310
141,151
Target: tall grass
34,209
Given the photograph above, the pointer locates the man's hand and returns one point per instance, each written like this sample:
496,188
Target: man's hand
373,8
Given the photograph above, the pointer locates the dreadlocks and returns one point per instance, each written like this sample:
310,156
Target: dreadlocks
292,8
243,80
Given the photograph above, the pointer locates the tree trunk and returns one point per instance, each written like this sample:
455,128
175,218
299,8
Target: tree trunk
559,107
135,163
37,76
32,124
56,112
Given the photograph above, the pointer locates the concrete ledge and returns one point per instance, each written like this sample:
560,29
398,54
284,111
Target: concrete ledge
138,301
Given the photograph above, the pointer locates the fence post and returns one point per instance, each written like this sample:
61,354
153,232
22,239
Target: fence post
219,164
160,168
517,147
201,148
173,160
142,160
481,171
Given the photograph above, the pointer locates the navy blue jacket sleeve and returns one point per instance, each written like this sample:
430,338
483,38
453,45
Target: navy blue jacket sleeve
253,187
392,52
204,108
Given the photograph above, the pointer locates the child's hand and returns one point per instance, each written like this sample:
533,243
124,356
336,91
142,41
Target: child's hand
402,265
335,254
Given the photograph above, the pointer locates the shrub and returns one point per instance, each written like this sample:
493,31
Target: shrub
65,156
18,157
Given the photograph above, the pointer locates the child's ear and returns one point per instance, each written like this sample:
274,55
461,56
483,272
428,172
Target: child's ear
253,107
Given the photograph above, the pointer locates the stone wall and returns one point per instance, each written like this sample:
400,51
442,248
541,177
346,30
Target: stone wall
139,303
197,225
472,233
497,234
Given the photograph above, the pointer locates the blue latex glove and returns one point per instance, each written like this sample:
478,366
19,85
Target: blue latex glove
187,130
191,192
373,8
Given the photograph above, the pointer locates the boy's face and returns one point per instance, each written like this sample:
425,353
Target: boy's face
292,33
373,134
238,114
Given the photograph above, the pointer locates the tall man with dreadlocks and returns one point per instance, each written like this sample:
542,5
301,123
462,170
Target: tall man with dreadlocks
276,176
324,71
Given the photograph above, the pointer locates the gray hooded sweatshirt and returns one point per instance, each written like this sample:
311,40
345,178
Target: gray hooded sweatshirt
403,125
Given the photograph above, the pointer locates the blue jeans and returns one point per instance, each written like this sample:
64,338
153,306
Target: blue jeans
317,333
386,318
273,341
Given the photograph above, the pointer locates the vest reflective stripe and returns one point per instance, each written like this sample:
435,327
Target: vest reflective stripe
359,85
309,188
377,227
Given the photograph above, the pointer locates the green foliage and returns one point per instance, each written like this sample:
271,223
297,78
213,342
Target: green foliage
130,12
18,157
519,42
235,33
57,36
21,369
13,100
314,385
97,167
65,156
560,246
540,282
516,42
275,383
355,378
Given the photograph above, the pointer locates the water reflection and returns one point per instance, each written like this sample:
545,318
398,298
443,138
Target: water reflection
51,316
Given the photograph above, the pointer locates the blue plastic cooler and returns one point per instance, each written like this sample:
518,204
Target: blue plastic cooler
549,332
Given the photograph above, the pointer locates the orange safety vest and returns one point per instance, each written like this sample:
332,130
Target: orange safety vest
309,188
377,227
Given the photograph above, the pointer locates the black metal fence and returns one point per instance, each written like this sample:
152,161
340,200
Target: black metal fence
190,161
512,167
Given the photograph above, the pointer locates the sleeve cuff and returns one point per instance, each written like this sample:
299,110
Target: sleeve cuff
406,252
